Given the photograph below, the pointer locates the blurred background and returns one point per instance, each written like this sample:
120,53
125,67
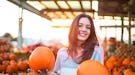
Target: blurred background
26,24
49,19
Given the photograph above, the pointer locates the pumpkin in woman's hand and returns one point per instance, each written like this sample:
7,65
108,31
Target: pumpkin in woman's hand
41,58
92,67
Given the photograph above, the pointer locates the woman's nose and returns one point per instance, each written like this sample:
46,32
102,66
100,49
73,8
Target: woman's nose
83,28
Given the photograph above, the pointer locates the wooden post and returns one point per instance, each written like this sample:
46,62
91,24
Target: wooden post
122,28
129,28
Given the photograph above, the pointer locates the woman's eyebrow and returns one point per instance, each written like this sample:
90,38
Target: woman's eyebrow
82,23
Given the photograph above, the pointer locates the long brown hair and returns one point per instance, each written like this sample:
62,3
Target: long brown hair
88,45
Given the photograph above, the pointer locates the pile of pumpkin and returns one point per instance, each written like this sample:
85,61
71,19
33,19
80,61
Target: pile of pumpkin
9,64
120,66
123,62
5,46
125,51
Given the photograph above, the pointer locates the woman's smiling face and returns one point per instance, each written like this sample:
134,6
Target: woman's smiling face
84,27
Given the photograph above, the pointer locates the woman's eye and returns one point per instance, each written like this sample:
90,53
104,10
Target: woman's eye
88,27
79,25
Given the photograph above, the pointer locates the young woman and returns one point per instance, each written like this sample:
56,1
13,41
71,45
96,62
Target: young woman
83,45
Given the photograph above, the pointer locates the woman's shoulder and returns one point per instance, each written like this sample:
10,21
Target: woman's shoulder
99,49
98,54
62,50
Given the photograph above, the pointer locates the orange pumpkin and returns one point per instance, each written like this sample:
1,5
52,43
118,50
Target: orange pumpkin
2,68
52,61
132,63
113,58
126,61
92,67
22,65
23,73
116,71
129,72
41,58
12,56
